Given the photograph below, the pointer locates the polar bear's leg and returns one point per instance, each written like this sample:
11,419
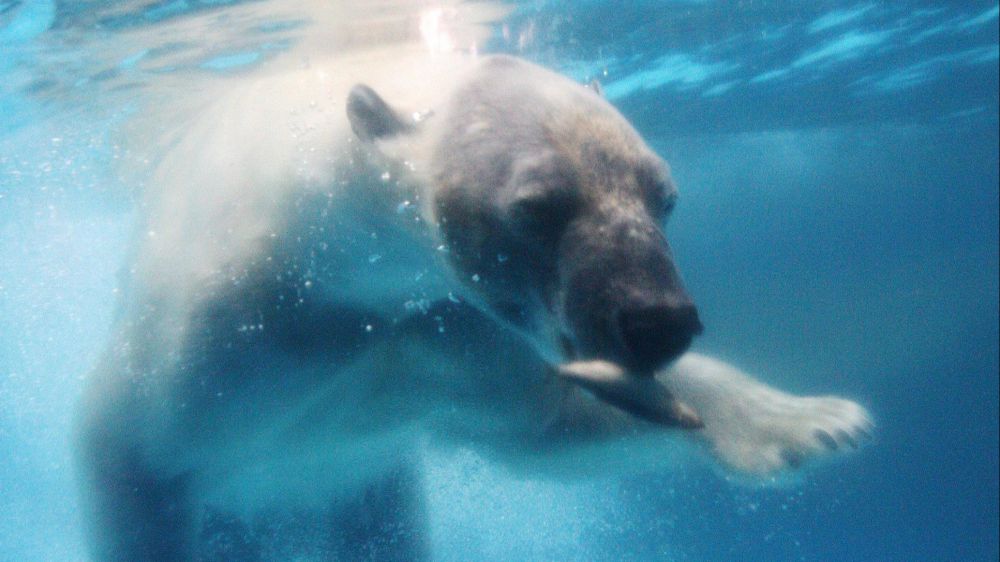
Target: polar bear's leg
132,510
754,428
135,514
386,522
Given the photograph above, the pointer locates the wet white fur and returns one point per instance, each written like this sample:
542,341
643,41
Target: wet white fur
336,426
754,428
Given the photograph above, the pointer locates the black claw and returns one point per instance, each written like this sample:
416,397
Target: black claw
862,431
826,439
792,458
847,438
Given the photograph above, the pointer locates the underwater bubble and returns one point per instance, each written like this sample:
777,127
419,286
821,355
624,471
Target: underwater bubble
423,305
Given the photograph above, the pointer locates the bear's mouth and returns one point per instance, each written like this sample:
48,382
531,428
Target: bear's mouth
643,397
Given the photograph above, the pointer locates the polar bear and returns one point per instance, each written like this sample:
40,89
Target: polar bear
324,279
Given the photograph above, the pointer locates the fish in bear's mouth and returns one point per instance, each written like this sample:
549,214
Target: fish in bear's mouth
640,395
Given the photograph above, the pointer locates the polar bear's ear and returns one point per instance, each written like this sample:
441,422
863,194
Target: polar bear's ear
371,118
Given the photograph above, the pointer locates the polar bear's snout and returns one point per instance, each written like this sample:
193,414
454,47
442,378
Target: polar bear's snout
639,327
655,334
623,297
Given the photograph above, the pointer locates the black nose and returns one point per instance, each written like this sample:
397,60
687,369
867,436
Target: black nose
653,335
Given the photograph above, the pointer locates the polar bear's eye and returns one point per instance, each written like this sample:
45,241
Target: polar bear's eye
657,190
667,202
538,210
671,203
541,196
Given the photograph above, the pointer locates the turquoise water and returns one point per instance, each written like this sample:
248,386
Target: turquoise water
838,226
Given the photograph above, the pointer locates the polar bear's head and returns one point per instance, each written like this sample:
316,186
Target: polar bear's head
552,207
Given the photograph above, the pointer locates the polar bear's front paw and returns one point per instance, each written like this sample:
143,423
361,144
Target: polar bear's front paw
835,423
770,430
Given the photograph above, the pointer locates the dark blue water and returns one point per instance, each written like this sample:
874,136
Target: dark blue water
838,226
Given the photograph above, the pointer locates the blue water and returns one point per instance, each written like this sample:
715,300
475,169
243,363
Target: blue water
838,226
